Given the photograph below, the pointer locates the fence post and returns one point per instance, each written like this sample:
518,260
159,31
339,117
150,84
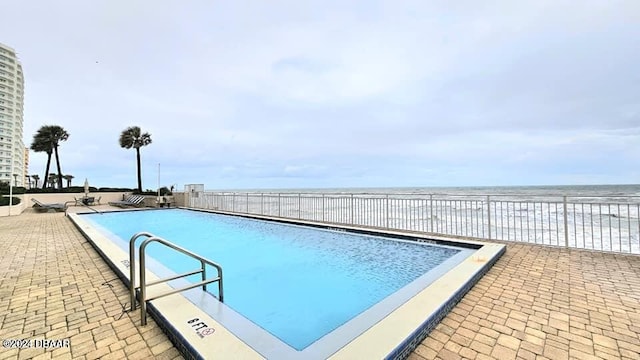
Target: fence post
566,221
351,211
233,202
431,211
279,205
489,215
387,211
261,203
247,203
323,217
299,208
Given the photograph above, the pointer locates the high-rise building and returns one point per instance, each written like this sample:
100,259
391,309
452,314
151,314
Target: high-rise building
11,117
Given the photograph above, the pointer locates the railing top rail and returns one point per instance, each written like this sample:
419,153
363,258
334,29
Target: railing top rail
132,242
144,284
484,195
179,249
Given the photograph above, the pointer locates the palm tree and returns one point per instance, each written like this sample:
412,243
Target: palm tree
35,178
68,178
52,180
41,144
58,134
48,139
132,137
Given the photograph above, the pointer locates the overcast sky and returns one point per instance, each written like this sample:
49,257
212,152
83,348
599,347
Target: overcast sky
280,94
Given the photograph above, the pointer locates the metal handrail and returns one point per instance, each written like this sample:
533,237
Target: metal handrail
132,266
143,284
66,207
75,202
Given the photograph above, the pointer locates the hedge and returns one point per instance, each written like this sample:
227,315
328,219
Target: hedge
4,201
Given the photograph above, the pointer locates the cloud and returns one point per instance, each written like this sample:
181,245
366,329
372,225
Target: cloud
336,93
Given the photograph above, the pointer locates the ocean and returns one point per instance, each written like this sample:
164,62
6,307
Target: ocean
543,190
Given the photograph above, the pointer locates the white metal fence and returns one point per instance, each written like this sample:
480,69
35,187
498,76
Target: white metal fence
597,223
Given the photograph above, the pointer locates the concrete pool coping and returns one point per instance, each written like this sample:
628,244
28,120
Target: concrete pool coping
394,336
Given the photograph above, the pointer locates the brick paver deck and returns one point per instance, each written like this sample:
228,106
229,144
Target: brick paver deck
545,303
535,303
54,285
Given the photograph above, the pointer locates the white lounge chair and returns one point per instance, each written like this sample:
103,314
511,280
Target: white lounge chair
130,201
42,207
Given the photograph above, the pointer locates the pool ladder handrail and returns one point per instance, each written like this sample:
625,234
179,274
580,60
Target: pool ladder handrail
143,285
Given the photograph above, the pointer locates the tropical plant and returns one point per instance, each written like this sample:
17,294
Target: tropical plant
48,139
132,137
35,178
68,178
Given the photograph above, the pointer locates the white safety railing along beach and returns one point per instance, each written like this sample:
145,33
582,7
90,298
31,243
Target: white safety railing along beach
596,222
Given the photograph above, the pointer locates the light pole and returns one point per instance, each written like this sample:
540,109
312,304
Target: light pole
158,202
10,186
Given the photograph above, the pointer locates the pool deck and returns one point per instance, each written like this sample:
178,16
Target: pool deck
535,303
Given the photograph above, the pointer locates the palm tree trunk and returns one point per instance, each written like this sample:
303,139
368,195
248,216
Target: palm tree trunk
55,148
139,171
46,171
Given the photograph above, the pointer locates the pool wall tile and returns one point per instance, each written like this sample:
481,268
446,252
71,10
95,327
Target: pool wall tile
411,343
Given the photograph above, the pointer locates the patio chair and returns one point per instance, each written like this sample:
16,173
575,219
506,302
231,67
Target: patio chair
88,200
130,201
166,201
42,207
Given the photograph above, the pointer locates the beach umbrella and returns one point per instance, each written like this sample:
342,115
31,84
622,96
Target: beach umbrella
86,187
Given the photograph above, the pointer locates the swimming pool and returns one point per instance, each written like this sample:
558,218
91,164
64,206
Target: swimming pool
300,291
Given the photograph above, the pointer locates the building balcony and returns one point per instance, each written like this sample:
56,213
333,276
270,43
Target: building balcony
7,60
8,68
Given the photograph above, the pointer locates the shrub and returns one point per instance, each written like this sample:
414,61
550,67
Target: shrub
75,189
4,188
108,189
4,201
39,190
146,192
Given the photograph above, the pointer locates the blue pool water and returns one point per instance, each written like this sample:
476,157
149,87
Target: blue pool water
298,283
